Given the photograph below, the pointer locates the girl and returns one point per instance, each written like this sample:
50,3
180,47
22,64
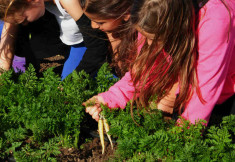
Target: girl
44,42
171,54
112,17
24,11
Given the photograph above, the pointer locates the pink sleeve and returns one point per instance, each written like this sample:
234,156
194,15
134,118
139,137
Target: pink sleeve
214,58
120,93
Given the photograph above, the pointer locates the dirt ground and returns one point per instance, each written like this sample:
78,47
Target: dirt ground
55,61
90,151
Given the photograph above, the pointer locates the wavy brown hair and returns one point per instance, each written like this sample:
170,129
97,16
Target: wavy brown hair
8,9
115,9
172,55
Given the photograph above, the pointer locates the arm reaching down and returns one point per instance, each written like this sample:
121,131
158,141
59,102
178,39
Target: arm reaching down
7,45
120,93
117,96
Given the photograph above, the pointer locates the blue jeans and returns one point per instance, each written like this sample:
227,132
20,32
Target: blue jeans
75,56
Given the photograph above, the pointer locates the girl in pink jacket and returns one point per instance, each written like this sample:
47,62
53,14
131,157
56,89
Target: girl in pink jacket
196,64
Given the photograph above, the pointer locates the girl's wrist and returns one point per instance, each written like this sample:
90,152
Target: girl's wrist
5,64
2,70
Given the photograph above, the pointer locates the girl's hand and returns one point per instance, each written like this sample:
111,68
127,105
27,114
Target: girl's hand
93,106
166,104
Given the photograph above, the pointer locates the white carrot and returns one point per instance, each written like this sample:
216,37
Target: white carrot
101,133
106,127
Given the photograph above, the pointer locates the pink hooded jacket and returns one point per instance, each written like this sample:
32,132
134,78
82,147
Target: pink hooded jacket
216,64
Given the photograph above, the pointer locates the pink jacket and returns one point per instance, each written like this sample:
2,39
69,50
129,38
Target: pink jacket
216,64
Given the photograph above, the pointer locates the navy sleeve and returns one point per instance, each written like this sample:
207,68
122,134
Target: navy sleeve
97,45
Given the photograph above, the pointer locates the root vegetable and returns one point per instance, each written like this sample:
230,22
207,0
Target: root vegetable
106,127
101,133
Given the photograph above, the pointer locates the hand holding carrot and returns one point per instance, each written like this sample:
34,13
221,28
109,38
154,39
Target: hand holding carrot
93,106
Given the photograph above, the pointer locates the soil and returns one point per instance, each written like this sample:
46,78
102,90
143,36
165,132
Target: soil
90,151
90,147
54,61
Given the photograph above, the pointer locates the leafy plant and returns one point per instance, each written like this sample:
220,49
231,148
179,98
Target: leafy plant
155,138
39,115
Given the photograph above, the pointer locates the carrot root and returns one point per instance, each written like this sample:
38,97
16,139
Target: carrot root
101,133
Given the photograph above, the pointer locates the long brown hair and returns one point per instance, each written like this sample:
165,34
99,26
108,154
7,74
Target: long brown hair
172,55
115,9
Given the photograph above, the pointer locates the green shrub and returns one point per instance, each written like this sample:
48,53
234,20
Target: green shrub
44,113
154,138
38,116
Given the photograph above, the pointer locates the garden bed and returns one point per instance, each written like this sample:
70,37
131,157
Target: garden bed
43,120
91,150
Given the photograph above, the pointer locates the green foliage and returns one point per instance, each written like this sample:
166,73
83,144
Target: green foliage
220,140
153,138
104,78
47,152
39,115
